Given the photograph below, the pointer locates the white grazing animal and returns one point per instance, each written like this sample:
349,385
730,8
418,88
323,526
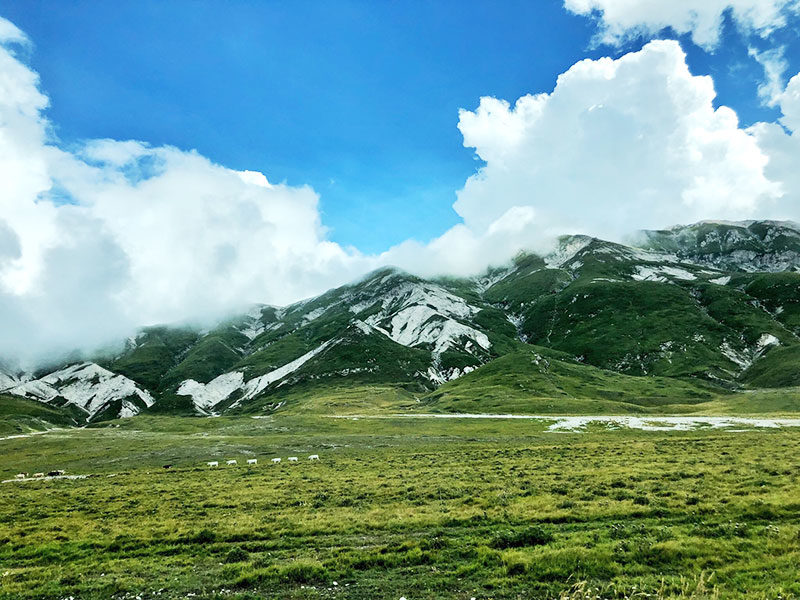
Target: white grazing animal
21,475
276,460
252,461
231,462
213,463
38,474
292,459
314,457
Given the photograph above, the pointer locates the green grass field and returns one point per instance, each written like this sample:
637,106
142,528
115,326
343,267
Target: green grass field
413,507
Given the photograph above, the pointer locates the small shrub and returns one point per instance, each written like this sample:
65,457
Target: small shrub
515,564
723,530
436,542
531,536
237,555
204,536
303,572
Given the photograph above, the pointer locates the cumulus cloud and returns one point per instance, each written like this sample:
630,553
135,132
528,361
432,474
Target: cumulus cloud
774,64
790,104
618,145
781,142
623,19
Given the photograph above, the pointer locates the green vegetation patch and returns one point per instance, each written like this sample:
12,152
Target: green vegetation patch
543,381
777,369
20,415
634,327
157,350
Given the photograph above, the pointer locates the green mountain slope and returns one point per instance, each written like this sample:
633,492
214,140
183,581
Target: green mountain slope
779,368
153,353
534,380
687,315
776,293
20,416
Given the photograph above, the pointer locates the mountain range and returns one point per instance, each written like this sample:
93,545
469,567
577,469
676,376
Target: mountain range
676,316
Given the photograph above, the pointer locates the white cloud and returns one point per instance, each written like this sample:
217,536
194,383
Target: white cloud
774,64
255,178
10,33
781,142
618,145
463,250
113,235
789,101
622,19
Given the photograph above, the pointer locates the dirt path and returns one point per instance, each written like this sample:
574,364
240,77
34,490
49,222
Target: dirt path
32,433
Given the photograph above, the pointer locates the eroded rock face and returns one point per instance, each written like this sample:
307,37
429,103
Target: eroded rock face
768,246
91,388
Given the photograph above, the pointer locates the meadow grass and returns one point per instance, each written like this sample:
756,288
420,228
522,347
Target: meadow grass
420,508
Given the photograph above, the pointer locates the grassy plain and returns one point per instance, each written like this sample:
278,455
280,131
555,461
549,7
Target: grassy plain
420,508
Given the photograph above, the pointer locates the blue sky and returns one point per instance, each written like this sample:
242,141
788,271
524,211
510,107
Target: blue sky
357,99
135,136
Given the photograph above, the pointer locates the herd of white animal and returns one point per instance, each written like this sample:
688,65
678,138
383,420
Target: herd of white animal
254,461
213,463
58,473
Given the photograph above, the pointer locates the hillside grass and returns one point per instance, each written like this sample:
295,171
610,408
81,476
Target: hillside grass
779,368
773,402
777,292
21,415
213,355
343,397
413,507
157,350
637,328
735,309
529,381
506,395
540,381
